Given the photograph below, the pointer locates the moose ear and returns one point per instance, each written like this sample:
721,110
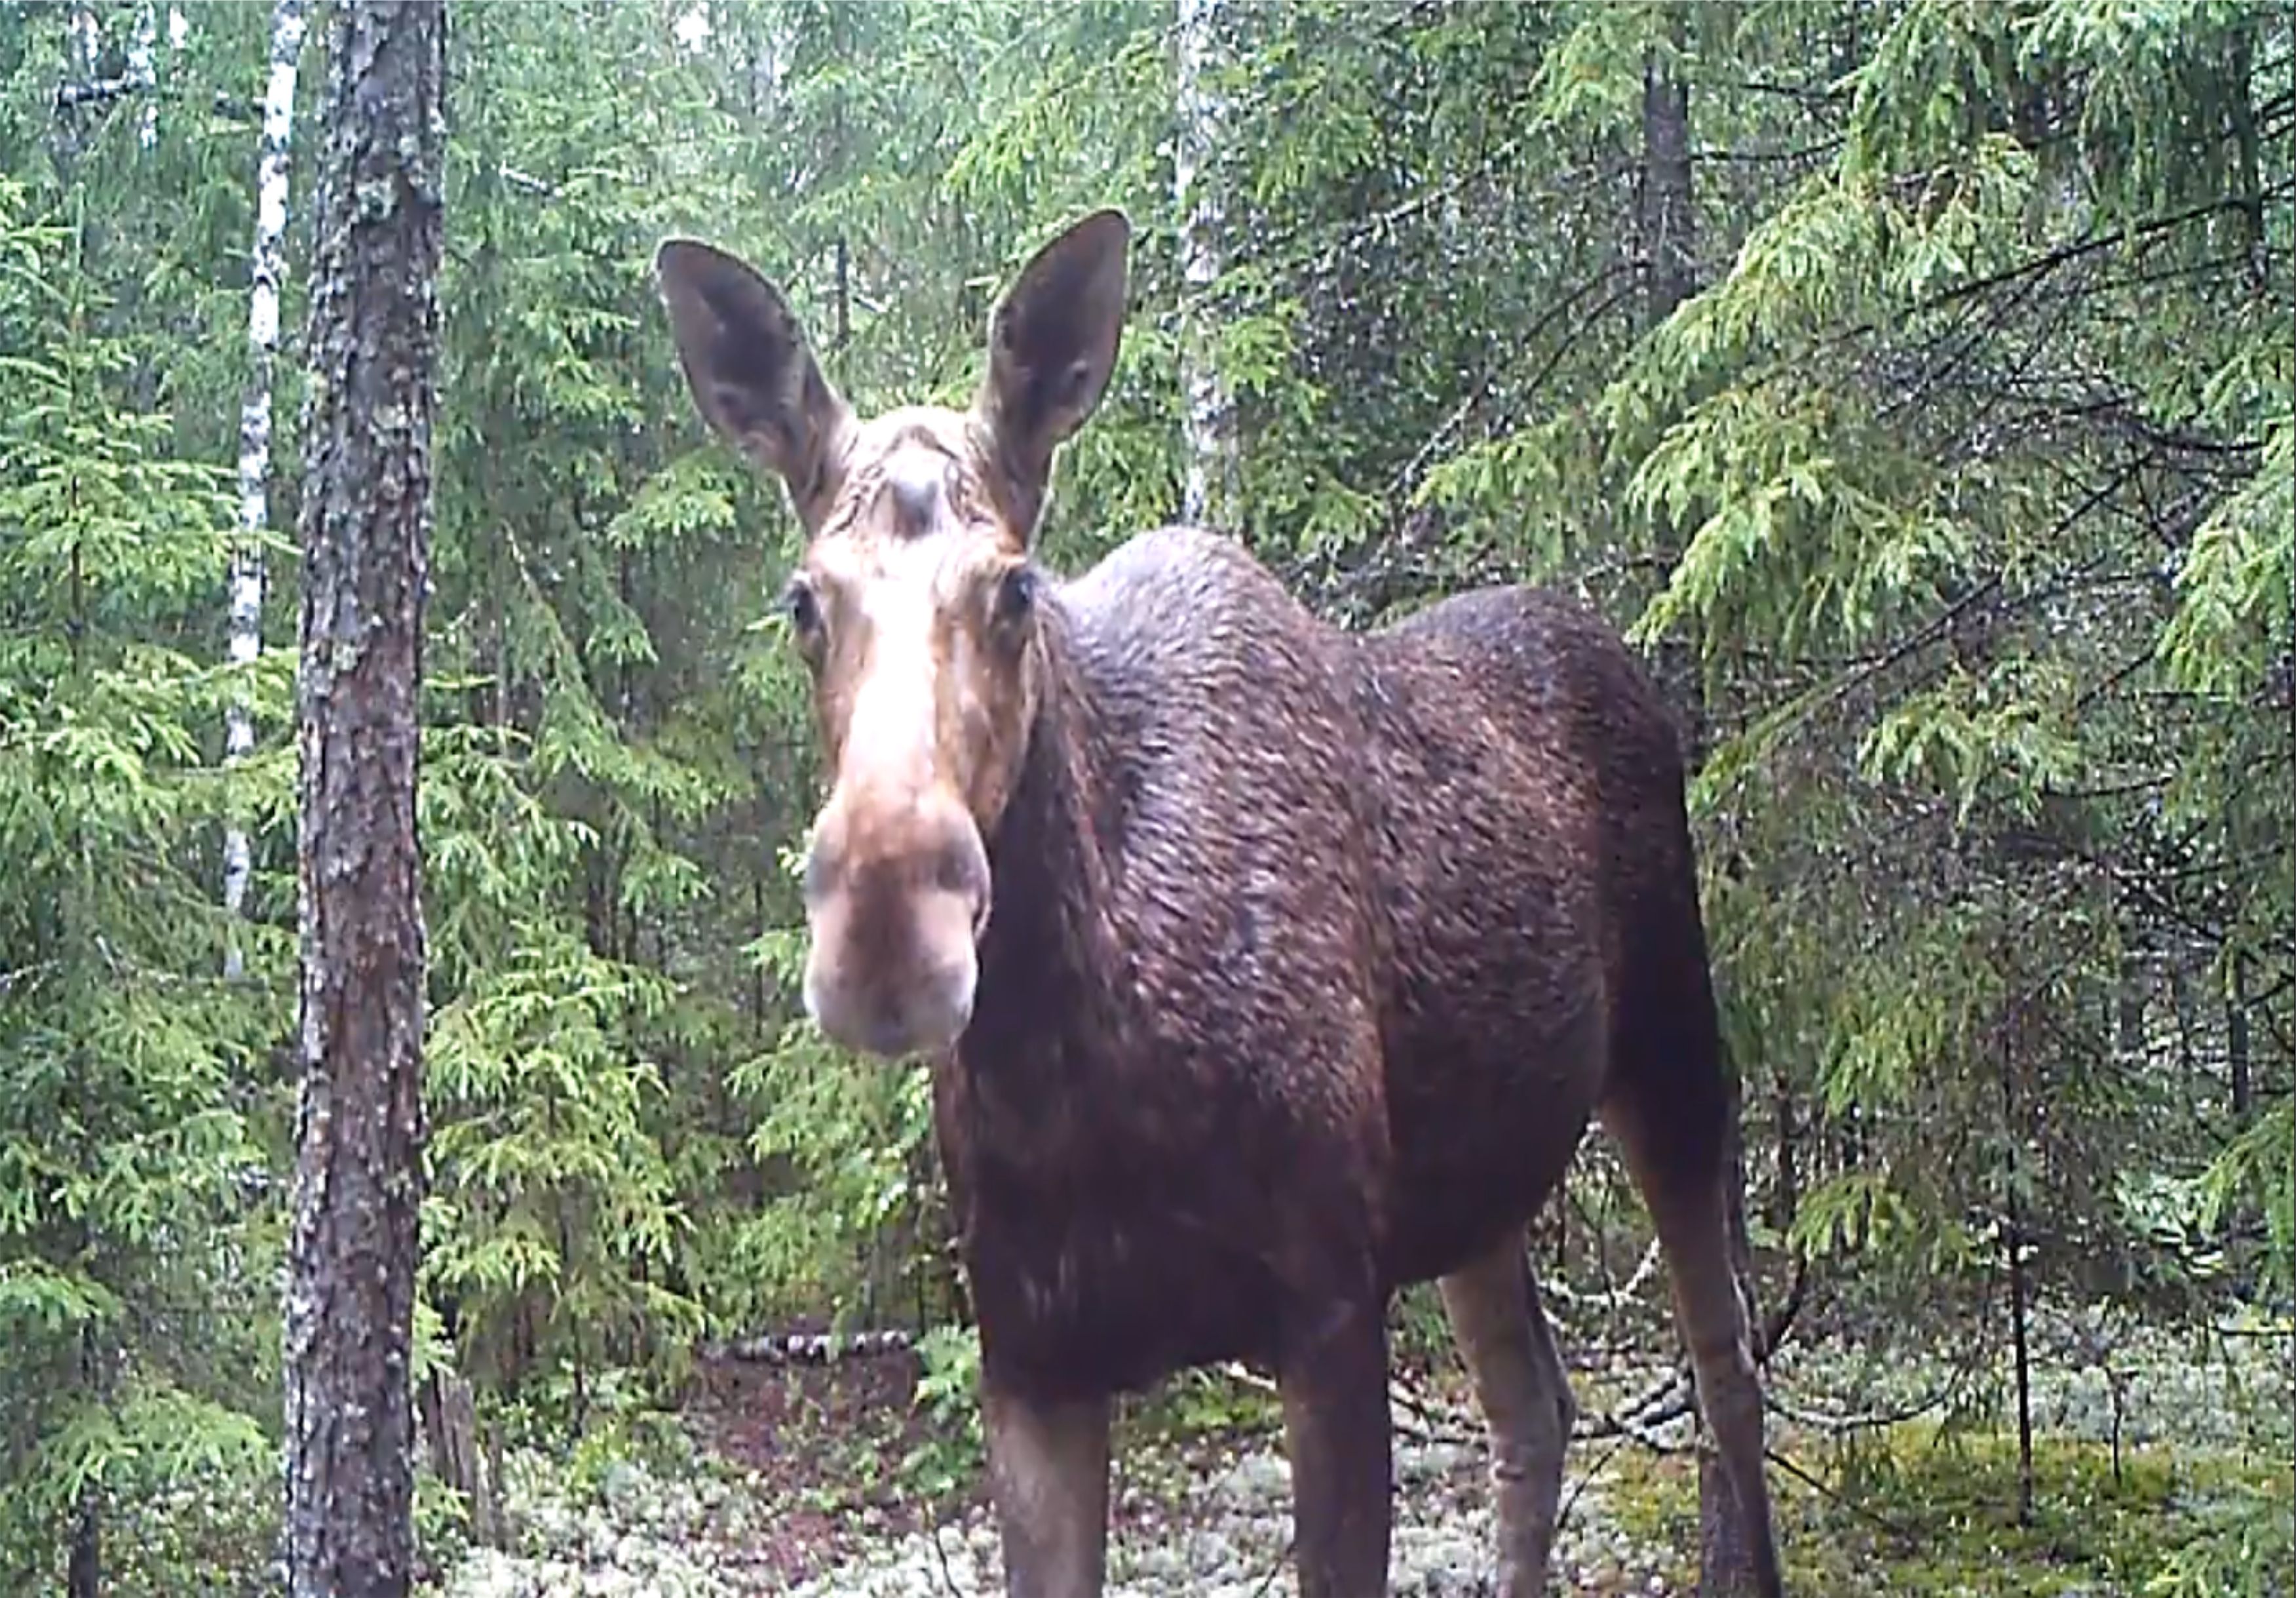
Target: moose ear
752,377
1052,346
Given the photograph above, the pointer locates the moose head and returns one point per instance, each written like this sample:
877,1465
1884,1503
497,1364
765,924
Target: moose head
914,605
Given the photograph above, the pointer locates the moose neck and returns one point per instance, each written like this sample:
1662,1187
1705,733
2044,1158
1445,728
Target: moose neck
1051,973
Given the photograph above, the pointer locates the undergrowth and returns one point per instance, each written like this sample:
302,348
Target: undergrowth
1930,1512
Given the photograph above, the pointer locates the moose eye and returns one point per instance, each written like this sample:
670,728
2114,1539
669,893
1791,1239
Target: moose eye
1016,594
802,606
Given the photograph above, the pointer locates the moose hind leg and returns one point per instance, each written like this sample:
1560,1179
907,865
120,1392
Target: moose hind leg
1049,1474
1337,1434
1503,1335
1684,1178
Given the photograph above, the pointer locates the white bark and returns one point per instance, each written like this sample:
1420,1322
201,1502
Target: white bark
268,265
1209,488
142,75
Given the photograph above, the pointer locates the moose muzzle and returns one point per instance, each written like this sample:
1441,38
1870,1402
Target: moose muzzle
895,898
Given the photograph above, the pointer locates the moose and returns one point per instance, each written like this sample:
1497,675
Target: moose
1263,968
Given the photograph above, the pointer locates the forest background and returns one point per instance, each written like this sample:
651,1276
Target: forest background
1912,380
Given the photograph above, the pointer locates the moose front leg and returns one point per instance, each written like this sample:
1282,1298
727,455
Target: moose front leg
1333,1380
1048,1473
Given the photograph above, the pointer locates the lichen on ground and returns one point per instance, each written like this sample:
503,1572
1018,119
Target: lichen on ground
832,1483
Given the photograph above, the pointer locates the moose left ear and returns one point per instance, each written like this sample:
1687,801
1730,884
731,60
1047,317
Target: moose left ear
1052,345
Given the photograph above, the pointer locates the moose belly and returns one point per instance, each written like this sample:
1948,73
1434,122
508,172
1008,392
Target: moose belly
1483,1125
1078,1295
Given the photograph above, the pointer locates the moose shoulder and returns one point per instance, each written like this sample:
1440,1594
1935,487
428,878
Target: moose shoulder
1264,968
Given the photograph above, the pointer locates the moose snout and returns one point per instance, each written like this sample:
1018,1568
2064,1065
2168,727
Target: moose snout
894,906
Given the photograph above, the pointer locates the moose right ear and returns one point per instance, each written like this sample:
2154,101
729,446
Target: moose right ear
751,375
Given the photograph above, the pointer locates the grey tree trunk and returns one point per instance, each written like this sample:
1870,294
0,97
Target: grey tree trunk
365,529
266,272
2130,1003
458,1454
2236,1057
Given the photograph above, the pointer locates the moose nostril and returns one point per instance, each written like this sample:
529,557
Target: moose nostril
961,866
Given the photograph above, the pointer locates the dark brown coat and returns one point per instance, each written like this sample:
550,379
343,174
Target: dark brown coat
1267,968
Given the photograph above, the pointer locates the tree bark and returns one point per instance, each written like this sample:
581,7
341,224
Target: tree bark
84,1566
2236,1055
1785,1197
84,1558
1668,220
366,528
458,1455
2129,1005
2013,1230
268,272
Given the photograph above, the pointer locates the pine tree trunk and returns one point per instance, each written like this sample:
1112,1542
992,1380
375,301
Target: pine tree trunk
2129,1005
1668,220
2012,1239
84,1559
1211,483
1664,226
84,1566
366,525
268,272
2236,1054
1785,1197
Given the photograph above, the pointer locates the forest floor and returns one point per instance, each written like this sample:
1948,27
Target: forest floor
836,1481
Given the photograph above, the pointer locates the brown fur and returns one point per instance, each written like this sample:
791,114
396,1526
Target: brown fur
1267,968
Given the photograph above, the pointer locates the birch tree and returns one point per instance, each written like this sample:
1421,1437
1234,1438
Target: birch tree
266,271
365,533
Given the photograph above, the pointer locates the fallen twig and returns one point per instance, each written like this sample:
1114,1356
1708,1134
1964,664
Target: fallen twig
948,1579
1276,1568
1578,1484
1901,1534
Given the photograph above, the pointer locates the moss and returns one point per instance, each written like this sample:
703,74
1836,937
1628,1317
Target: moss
1918,1511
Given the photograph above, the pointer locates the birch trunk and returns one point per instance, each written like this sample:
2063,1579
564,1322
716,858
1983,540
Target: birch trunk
365,520
143,75
83,65
1208,488
266,273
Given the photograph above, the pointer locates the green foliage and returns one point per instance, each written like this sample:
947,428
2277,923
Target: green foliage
1919,1509
138,1112
1951,505
950,1455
